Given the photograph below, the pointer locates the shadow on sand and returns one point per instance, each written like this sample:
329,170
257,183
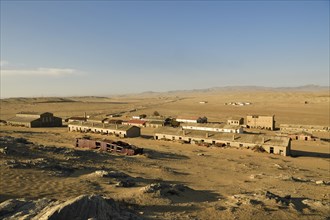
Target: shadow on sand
298,153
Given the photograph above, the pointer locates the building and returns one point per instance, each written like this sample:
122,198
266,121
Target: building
113,121
109,129
213,127
97,119
35,119
306,128
191,119
155,124
135,122
260,121
108,145
235,121
303,136
271,144
75,118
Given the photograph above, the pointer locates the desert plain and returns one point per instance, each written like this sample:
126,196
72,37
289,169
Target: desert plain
187,181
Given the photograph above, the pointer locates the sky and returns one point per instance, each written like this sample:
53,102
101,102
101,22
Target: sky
78,48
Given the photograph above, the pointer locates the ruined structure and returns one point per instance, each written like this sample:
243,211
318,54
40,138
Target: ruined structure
271,144
260,121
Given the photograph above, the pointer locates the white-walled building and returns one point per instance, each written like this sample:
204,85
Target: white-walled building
213,127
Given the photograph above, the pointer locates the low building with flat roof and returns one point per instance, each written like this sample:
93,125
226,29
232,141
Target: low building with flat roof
302,136
109,129
35,119
271,144
213,127
191,119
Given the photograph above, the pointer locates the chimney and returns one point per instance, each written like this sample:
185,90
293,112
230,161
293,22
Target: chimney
85,115
184,133
207,134
116,126
103,126
233,137
263,140
92,124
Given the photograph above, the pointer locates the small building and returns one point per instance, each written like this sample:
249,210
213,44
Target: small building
35,119
202,102
154,124
107,129
108,145
303,136
135,122
213,127
191,119
235,121
271,144
260,121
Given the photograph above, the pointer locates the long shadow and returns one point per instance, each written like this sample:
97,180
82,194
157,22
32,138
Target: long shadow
298,153
298,203
160,155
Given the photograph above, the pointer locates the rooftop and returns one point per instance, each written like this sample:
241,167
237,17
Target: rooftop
22,119
136,121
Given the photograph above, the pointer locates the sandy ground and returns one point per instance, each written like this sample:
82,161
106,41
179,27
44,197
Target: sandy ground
224,183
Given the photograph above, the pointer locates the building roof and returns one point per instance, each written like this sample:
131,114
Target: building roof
136,121
188,117
209,125
235,118
242,138
22,119
156,122
32,113
118,127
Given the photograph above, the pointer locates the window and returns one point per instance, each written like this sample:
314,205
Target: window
271,150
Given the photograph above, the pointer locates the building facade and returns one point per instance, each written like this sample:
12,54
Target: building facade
235,121
191,119
108,129
261,122
213,127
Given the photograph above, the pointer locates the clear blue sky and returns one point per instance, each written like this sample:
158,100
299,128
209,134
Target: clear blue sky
59,48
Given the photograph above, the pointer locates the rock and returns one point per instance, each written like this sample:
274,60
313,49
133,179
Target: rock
200,154
125,183
102,173
4,150
320,182
164,188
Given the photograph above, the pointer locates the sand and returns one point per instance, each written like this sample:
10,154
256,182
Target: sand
219,183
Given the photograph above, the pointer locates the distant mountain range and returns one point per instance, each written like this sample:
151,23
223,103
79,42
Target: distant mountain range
307,88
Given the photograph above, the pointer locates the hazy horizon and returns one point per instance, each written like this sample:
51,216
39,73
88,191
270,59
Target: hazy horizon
85,48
